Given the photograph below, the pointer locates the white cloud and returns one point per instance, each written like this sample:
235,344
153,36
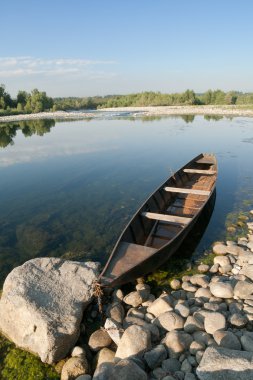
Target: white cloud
29,66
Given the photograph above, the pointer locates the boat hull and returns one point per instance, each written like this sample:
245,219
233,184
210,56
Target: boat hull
163,255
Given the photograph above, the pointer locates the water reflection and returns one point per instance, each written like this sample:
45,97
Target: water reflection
71,187
8,131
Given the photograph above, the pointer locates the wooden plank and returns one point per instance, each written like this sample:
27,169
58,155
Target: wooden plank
186,191
166,218
198,171
205,160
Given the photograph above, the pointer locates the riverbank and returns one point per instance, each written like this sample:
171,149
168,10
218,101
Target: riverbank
232,111
228,111
187,330
47,115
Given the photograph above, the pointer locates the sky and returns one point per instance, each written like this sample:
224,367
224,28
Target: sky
100,47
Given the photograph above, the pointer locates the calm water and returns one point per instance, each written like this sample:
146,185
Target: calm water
68,188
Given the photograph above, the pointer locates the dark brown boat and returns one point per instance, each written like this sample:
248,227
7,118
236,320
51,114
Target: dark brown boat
162,223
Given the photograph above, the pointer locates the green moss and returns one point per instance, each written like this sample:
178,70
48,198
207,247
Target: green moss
176,269
16,364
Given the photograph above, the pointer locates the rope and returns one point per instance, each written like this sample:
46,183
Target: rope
98,293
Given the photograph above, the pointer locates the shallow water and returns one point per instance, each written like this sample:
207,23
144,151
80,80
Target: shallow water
68,188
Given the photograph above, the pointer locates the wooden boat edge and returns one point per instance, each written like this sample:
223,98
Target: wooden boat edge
191,224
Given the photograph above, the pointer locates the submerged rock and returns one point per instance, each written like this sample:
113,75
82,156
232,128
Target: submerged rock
43,302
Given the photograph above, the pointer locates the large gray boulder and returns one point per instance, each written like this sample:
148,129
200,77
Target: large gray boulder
223,364
43,302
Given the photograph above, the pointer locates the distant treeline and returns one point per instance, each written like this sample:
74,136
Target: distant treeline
189,97
37,101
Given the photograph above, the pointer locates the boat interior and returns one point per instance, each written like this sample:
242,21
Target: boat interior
165,214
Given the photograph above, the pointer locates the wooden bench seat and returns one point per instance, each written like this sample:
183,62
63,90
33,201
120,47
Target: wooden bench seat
186,191
198,171
167,218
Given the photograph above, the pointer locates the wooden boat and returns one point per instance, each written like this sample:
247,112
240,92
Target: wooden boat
162,223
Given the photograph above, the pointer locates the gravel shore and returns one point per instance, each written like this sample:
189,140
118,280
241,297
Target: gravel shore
232,111
185,110
47,115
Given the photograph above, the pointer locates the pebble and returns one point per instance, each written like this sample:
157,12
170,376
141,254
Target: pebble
203,293
160,306
189,376
238,320
196,346
77,351
214,268
186,367
203,268
171,365
243,289
169,321
188,287
222,289
193,324
225,269
200,280
99,339
220,249
175,284
156,356
222,260
247,341
135,341
182,309
177,342
227,339
133,299
214,321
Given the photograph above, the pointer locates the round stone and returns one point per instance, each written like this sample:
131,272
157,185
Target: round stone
247,341
238,320
171,365
156,356
220,249
104,356
227,339
77,351
193,324
169,321
222,289
186,367
74,367
196,346
221,260
203,268
182,309
133,299
203,293
175,284
214,321
99,339
177,342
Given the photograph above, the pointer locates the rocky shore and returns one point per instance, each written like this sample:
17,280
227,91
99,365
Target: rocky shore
229,111
46,115
200,329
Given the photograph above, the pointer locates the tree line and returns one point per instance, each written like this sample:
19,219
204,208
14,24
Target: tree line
37,101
